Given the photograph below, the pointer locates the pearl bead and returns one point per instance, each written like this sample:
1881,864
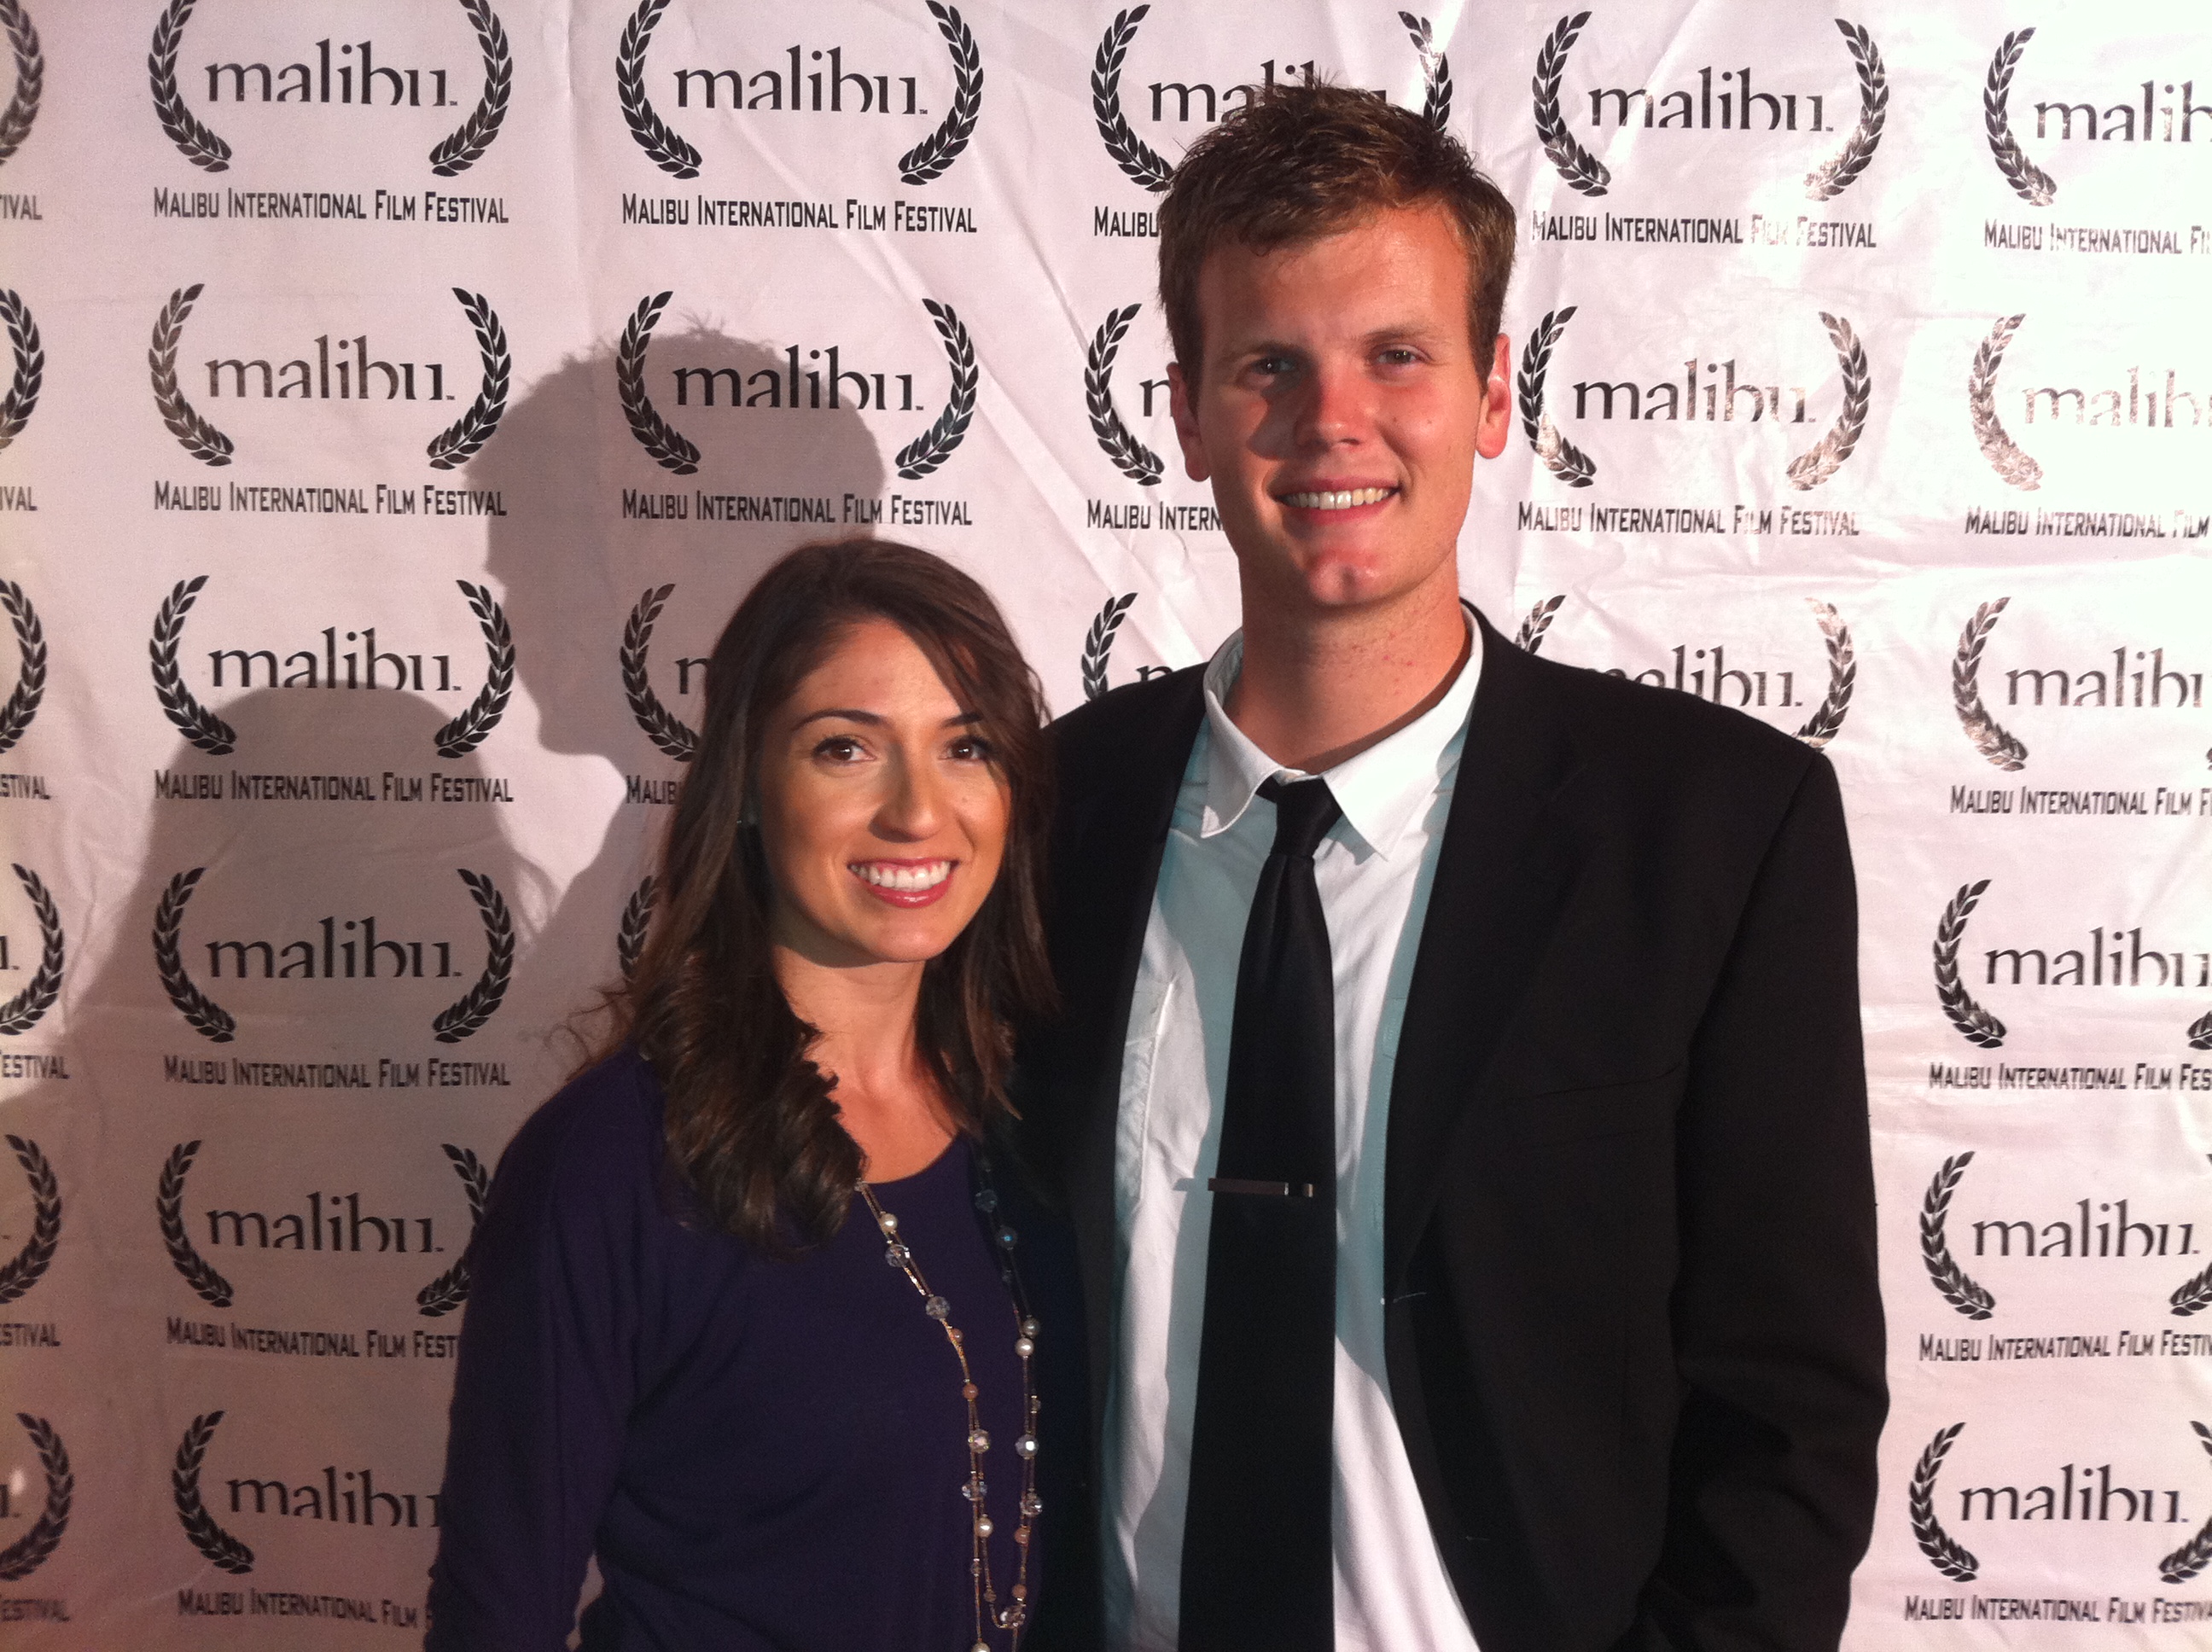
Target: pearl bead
1025,1446
983,1526
1024,1347
887,1222
1028,1327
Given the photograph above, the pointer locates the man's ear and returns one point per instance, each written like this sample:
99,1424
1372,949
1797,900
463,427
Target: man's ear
1495,424
1186,424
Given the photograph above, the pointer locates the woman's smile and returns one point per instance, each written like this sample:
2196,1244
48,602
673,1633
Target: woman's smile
905,883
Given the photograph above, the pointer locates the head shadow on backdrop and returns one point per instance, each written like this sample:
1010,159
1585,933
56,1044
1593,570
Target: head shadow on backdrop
594,522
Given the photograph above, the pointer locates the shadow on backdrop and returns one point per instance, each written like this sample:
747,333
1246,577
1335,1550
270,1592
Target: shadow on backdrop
578,551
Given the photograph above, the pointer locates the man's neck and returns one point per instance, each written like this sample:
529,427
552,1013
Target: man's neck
1320,687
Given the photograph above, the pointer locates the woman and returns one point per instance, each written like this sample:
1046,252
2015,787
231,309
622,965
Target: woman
684,1351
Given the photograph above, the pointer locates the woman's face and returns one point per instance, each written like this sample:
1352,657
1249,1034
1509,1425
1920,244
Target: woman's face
881,818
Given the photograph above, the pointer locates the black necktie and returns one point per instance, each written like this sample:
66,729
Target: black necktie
1257,1568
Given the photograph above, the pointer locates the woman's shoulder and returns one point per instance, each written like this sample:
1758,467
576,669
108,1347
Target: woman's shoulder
600,1132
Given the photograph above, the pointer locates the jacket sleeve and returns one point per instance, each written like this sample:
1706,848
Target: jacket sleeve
1777,1312
544,1386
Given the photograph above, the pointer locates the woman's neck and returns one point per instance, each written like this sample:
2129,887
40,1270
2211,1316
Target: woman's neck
887,1098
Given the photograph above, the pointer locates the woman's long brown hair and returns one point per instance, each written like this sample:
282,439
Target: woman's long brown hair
750,1125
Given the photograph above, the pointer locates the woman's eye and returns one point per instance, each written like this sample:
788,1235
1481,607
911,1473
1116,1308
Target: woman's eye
970,747
839,748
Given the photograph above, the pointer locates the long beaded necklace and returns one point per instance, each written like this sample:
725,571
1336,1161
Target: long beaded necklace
1013,1617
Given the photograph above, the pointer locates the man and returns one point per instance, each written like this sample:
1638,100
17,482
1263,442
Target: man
1467,1147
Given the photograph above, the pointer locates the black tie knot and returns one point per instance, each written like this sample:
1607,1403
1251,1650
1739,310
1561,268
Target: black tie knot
1304,811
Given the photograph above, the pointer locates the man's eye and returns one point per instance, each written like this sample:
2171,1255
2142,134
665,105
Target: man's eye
1398,356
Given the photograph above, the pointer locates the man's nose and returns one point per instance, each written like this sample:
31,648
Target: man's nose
1332,406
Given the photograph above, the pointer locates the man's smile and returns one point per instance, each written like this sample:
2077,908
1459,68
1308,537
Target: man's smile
1338,499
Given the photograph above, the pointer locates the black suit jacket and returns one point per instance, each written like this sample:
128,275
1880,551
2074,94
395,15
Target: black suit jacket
1634,1335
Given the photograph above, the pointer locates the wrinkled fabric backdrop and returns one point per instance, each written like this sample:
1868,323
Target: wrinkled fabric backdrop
402,394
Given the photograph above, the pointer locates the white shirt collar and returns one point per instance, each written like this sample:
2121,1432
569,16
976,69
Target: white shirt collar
1382,790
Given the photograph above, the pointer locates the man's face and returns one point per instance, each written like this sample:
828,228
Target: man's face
1340,408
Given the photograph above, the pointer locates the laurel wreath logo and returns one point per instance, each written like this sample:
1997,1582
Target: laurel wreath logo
468,1012
2029,181
31,673
197,143
30,78
2195,1295
2193,1556
469,141
193,720
1139,163
1826,457
207,1017
1827,720
28,1265
30,352
670,449
461,440
636,918
169,1209
1990,738
450,1288
934,445
28,1552
662,726
200,438
227,1553
2014,467
1098,643
1943,1551
2200,1032
1131,456
22,1013
930,158
1530,637
1436,70
1582,170
1561,457
1975,1025
654,136
1831,177
1950,1279
468,731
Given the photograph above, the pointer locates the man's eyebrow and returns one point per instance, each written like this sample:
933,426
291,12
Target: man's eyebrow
1242,350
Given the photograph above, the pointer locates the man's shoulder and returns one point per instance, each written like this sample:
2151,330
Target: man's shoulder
1100,738
1664,751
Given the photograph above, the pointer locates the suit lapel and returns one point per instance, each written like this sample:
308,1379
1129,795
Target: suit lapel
1501,876
1109,871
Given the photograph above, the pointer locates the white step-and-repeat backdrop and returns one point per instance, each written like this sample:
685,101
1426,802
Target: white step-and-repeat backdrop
398,394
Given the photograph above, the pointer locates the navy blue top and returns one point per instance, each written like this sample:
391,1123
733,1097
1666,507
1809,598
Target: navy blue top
763,1454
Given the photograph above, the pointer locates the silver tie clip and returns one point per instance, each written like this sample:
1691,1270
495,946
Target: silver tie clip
1270,1190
